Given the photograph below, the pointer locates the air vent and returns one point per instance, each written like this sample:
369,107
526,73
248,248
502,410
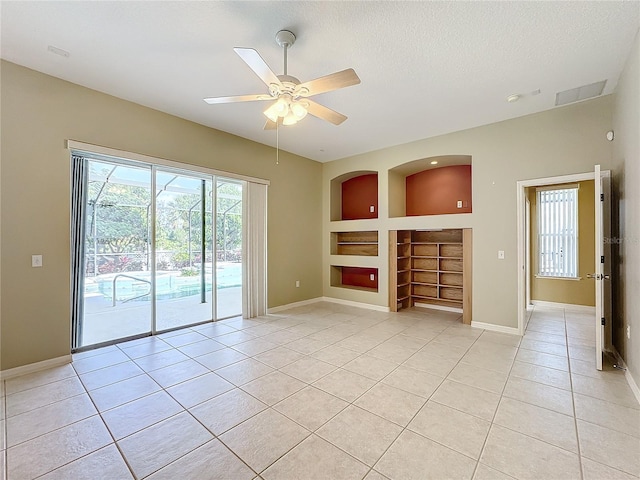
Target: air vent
580,93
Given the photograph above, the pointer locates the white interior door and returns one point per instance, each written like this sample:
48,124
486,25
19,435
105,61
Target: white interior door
602,262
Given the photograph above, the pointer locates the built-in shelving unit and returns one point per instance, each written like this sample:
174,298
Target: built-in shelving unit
400,269
355,243
431,267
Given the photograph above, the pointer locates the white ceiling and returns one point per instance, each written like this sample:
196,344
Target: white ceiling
427,68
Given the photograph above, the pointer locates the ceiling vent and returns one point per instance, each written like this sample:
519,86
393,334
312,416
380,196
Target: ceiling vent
580,93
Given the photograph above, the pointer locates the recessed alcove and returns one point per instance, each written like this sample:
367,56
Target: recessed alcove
354,196
422,187
357,278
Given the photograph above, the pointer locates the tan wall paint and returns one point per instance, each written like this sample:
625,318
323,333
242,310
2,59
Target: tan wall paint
561,141
39,113
574,292
626,211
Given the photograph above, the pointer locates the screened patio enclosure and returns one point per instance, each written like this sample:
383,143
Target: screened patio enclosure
162,249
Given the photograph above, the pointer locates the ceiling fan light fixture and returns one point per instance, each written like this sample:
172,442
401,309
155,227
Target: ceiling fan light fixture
291,111
299,110
282,106
272,112
290,119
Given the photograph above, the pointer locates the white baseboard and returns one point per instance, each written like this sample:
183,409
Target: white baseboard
632,383
378,308
438,307
302,303
568,306
627,374
495,328
35,367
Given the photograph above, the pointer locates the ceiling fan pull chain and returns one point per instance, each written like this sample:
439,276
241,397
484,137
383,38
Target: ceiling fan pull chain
277,144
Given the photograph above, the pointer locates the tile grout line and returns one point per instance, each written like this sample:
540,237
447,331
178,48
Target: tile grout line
495,412
184,409
124,459
405,428
97,414
573,399
311,432
335,415
356,406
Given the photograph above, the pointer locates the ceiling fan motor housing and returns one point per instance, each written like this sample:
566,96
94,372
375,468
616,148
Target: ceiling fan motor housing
285,38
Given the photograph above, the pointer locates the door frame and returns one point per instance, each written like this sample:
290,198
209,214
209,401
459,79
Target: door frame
522,228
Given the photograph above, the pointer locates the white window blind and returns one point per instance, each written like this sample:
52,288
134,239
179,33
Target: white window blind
558,232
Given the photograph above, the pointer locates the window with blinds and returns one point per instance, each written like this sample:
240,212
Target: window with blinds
558,232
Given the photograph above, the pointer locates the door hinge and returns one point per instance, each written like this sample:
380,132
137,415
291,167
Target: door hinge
602,259
602,197
602,321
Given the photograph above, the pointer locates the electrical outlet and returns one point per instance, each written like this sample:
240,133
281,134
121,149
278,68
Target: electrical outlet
459,203
628,331
372,208
372,277
500,254
36,260
297,283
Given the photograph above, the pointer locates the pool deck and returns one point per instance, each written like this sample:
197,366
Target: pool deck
104,322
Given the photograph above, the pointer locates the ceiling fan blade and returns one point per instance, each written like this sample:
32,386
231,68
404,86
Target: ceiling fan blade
255,62
325,113
238,98
269,125
337,80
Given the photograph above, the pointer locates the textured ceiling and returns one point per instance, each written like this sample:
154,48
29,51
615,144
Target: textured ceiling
427,68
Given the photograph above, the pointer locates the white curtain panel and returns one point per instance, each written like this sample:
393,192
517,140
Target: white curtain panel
254,265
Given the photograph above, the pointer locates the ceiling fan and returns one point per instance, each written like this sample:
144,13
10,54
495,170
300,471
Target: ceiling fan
291,97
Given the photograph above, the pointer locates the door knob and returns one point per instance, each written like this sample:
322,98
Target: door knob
597,276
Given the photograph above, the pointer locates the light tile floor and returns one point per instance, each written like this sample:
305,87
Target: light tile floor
328,391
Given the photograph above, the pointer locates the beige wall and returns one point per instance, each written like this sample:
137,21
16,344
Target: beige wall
561,141
574,292
39,113
626,214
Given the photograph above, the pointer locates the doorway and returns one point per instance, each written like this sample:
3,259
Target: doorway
557,253
160,249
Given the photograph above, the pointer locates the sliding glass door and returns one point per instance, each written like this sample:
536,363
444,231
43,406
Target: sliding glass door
184,253
156,243
229,248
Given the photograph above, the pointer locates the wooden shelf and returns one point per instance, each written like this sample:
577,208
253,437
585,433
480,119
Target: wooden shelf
440,267
354,278
356,287
355,243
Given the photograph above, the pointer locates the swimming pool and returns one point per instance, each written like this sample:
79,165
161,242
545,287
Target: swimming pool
169,284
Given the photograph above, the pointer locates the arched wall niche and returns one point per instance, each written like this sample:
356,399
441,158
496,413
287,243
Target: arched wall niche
354,195
431,186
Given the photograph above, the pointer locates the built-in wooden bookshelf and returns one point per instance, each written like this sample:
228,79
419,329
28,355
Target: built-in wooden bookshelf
355,243
431,267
